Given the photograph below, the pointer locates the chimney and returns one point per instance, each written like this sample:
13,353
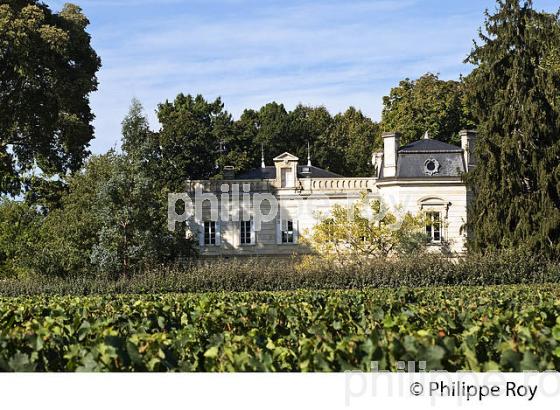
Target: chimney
468,143
391,143
229,172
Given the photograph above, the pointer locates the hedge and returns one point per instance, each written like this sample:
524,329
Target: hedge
260,274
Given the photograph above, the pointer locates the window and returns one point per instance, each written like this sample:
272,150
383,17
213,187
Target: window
209,233
246,233
433,226
286,175
431,167
287,231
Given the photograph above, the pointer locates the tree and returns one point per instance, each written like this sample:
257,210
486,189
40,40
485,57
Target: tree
44,193
342,144
273,130
103,224
113,218
19,225
68,234
198,138
47,72
142,146
426,104
513,92
279,130
239,148
193,131
132,206
128,212
136,134
310,125
366,229
348,144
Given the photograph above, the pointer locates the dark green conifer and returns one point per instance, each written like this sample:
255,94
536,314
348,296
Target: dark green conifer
514,93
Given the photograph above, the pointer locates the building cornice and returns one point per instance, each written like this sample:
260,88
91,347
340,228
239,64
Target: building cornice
454,181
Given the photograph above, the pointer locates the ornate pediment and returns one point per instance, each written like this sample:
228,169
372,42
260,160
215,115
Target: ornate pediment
286,157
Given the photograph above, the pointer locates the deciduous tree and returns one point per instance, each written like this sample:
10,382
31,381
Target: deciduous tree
426,104
366,229
47,72
193,131
348,144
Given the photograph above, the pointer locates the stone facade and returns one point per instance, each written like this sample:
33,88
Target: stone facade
424,176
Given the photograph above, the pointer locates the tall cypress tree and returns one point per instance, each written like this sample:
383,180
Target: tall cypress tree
515,90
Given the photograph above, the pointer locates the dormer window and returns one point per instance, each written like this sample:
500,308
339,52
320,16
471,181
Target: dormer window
431,166
286,166
286,175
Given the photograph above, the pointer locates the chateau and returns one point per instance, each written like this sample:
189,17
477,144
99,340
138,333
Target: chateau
423,176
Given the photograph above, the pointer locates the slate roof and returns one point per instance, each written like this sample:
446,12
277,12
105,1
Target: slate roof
412,165
429,145
411,159
258,173
269,172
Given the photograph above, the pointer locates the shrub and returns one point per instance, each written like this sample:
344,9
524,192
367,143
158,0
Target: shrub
366,229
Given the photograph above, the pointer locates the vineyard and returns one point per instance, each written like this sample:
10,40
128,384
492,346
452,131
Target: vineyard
510,328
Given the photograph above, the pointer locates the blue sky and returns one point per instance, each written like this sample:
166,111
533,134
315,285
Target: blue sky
331,53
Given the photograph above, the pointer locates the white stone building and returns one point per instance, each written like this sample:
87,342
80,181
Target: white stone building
423,176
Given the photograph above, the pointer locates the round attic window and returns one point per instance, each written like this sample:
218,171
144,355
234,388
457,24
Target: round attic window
431,167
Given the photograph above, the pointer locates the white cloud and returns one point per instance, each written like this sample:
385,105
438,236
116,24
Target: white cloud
330,53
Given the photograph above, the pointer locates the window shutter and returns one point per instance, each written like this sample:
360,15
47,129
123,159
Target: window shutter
238,233
279,231
218,233
201,234
296,231
253,235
